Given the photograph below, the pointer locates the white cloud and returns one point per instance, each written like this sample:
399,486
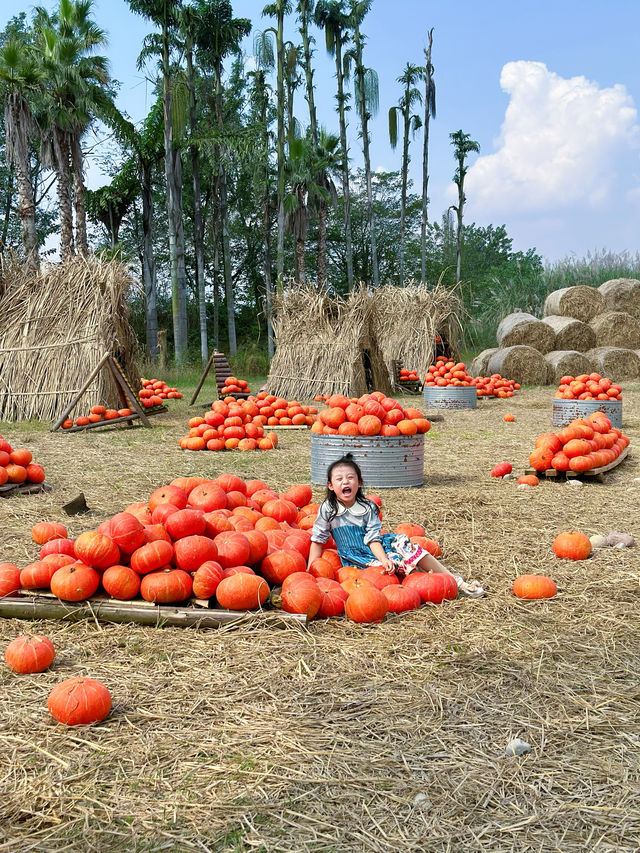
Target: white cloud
563,143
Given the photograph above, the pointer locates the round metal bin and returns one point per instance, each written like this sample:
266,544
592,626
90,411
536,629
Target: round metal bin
450,397
386,462
565,411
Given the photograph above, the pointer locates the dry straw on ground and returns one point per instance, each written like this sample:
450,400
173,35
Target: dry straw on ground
521,363
579,301
55,327
616,329
566,363
622,294
570,334
406,321
617,363
346,738
526,330
480,364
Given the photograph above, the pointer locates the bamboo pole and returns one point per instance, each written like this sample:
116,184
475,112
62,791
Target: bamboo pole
155,615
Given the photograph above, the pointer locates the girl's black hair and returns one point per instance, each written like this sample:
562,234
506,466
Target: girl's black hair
331,497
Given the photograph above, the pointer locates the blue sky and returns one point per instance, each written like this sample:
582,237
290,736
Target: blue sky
550,90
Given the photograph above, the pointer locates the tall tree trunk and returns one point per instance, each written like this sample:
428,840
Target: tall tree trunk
174,214
267,273
63,190
198,226
403,195
308,74
425,159
224,223
216,290
345,164
148,263
459,234
21,121
8,201
301,267
322,245
181,268
280,146
82,244
364,118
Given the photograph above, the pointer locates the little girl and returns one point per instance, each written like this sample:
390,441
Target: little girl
353,521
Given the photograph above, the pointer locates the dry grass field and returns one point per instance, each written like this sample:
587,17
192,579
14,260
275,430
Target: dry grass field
343,738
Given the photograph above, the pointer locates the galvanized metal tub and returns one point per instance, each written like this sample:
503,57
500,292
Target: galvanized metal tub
386,462
565,411
454,397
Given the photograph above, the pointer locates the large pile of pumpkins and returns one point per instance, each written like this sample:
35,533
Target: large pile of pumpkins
584,444
371,414
230,425
590,386
17,466
223,539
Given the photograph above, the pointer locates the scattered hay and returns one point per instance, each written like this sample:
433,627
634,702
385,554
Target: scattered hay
571,334
55,326
617,363
480,364
616,329
566,363
407,319
325,345
526,330
523,364
622,294
579,301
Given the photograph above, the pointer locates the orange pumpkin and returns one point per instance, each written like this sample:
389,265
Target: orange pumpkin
572,546
534,586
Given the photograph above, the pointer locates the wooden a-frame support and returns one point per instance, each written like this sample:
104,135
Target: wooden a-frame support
126,395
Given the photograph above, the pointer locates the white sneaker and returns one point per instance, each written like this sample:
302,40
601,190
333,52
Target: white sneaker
469,589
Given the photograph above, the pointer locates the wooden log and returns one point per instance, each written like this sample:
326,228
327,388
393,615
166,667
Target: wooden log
155,615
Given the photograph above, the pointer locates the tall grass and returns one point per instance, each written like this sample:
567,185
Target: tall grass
489,300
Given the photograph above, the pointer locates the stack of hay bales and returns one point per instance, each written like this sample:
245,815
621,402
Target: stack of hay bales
584,329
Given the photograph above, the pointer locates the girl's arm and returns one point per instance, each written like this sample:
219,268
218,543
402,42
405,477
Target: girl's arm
381,556
314,552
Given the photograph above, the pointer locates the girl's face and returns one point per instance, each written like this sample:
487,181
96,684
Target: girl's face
345,483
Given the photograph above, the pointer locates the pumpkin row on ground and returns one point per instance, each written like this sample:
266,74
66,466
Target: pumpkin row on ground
17,465
195,537
584,444
281,412
97,414
369,415
495,386
590,386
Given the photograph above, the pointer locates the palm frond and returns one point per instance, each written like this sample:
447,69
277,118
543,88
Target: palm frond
393,126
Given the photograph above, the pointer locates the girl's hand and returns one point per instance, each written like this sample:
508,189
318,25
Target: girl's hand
388,565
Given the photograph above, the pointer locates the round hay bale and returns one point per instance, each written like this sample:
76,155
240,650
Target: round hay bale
525,329
616,329
567,363
521,363
480,363
579,301
571,334
617,363
622,294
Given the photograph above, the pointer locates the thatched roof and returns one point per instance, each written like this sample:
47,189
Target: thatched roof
55,326
321,339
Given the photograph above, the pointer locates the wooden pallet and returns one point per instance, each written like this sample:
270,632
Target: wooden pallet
592,473
127,396
42,606
10,489
221,371
412,386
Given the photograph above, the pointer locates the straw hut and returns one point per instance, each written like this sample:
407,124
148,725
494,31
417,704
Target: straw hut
407,320
54,329
325,345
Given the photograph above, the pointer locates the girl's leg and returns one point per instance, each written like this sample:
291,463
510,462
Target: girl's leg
472,589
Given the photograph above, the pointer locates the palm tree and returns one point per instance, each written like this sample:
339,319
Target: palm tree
265,60
219,35
292,80
463,145
164,13
328,163
305,16
410,122
366,92
278,10
75,89
429,112
330,15
19,75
